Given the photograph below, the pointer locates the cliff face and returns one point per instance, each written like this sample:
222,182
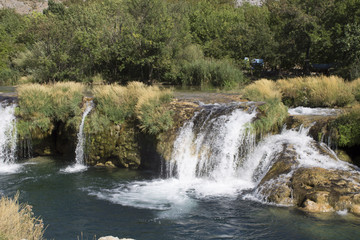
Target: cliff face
25,6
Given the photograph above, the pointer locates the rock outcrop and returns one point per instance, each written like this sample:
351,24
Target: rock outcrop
312,189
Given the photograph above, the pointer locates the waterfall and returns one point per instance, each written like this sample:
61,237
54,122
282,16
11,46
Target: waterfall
8,138
215,155
79,151
212,144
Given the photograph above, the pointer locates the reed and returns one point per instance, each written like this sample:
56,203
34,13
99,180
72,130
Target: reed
135,102
17,221
355,87
262,90
316,91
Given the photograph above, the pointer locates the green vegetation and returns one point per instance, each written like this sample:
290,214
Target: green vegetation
316,92
135,102
305,91
41,106
203,72
273,112
273,115
347,128
17,221
179,42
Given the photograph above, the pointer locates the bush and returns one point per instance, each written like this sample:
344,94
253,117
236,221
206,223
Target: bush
152,111
262,90
348,129
135,102
17,221
273,115
216,73
316,91
40,106
111,101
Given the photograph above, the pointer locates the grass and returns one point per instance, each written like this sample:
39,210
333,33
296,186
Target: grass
262,90
135,102
273,115
42,105
152,111
306,91
216,73
355,87
347,128
316,91
17,221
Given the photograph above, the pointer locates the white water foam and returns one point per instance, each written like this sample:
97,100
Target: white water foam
8,139
313,111
215,156
79,165
205,164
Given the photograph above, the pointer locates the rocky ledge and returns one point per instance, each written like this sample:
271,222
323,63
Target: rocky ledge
312,189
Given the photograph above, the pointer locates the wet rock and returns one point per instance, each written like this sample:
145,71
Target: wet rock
312,189
114,238
316,190
109,164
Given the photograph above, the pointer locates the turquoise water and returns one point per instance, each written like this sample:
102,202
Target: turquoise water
84,202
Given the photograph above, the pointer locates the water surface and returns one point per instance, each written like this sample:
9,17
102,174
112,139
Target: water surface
93,202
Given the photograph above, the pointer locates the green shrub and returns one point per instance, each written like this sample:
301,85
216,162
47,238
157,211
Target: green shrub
153,113
273,115
216,73
348,128
40,106
135,102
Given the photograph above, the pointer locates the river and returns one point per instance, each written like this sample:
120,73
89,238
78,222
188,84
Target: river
69,205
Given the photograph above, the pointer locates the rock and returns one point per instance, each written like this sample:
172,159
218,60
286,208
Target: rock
114,238
314,207
283,163
109,164
312,189
100,165
343,156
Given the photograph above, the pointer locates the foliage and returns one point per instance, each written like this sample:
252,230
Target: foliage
211,73
17,221
152,40
262,90
152,111
11,27
273,115
316,91
355,86
135,102
348,128
40,106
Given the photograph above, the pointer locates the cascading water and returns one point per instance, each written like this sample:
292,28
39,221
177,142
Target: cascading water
211,146
8,138
215,155
79,151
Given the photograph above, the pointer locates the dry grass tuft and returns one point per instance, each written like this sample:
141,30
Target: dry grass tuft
262,90
17,221
40,105
316,91
355,87
135,101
